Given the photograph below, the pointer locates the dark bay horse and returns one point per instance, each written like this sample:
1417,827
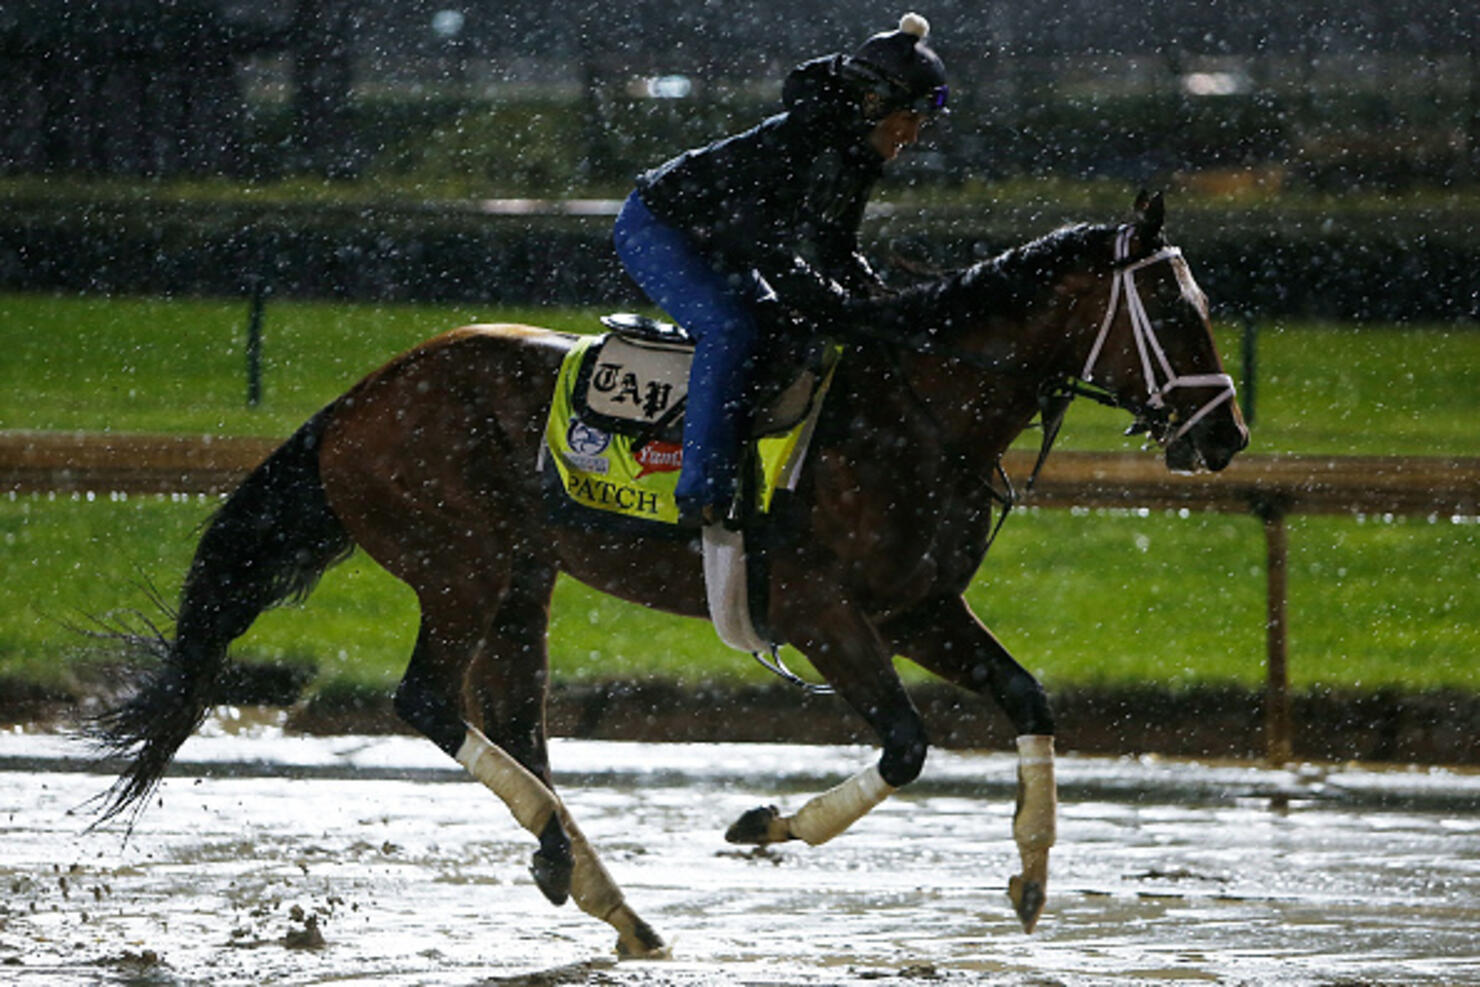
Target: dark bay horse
426,465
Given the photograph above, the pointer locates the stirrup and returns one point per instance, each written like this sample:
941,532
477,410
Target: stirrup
778,667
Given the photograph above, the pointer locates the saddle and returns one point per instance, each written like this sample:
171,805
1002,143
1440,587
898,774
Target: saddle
615,428
612,452
634,381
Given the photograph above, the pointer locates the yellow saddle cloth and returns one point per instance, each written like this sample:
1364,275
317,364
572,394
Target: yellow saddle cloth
632,470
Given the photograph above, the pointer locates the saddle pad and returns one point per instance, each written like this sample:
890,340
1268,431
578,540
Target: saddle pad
635,476
636,385
631,385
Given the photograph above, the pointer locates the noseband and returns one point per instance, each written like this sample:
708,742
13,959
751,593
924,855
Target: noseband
1123,292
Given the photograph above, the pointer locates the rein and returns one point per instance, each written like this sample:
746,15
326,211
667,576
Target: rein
1056,395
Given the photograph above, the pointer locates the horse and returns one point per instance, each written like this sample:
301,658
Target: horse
427,464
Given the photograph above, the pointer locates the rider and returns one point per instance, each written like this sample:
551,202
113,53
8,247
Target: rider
771,212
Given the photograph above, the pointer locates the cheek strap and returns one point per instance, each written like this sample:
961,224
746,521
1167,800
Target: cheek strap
1154,362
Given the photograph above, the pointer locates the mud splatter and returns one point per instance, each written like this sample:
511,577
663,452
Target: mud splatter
393,875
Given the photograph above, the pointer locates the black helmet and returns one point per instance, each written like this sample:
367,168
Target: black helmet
896,71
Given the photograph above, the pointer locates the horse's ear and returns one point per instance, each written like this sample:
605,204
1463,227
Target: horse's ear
1151,212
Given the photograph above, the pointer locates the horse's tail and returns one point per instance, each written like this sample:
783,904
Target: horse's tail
268,544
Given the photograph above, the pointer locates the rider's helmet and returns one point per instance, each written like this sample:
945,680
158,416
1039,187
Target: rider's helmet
895,70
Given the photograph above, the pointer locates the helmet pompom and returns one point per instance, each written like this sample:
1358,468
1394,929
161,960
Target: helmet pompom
899,70
913,23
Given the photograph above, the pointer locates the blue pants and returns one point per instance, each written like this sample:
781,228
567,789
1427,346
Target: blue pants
716,308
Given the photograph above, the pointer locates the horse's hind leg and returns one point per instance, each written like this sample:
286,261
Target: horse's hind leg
465,578
424,486
502,659
507,684
536,807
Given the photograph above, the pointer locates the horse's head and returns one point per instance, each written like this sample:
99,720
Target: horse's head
1154,350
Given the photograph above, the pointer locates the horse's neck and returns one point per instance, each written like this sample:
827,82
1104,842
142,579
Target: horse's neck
982,405
1007,328
1001,330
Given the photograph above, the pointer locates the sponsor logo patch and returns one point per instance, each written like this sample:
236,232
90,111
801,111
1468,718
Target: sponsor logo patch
659,457
586,445
585,440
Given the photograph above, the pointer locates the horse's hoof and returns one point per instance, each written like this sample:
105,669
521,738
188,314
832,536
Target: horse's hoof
758,827
1028,898
552,876
642,943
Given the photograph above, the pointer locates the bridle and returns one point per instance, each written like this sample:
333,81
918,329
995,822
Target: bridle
1151,416
1056,394
1123,293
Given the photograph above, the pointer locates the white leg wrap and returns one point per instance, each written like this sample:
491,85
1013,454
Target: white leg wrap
526,796
1034,827
1034,824
828,814
533,804
591,886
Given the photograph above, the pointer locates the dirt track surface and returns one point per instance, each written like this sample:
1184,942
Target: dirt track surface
292,860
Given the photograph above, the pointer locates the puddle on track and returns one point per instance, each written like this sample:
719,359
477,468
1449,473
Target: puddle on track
340,879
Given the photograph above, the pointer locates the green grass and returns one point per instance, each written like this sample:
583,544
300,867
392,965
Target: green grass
1181,600
142,365
1340,390
1159,597
156,365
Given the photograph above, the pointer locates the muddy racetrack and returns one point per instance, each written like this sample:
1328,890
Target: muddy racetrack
295,860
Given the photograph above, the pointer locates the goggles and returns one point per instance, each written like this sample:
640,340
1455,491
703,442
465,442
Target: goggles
932,102
893,93
929,103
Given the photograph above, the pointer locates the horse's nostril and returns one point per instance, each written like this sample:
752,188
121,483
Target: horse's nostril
1182,456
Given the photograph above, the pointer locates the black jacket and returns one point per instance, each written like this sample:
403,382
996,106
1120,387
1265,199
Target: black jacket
786,197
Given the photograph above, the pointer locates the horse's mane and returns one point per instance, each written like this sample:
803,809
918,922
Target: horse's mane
1033,266
1004,285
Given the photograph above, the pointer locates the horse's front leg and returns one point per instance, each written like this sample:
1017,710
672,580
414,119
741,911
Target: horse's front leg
847,650
945,637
